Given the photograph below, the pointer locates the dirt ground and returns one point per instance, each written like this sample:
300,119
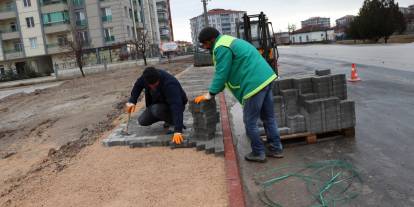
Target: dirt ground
51,155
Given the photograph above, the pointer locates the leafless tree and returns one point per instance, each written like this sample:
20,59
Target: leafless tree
79,41
141,44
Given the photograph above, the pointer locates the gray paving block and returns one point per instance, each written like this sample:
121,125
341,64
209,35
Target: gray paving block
339,87
275,88
322,72
305,97
296,124
284,84
284,130
290,97
348,118
304,85
322,86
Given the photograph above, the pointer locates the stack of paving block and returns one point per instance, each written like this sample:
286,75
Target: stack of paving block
202,59
205,119
313,104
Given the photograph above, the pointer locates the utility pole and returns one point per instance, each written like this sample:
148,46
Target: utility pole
205,13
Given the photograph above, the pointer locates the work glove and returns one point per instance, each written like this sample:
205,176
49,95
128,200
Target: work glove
202,98
177,138
129,107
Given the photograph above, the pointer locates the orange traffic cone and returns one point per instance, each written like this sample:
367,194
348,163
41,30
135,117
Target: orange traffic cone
354,74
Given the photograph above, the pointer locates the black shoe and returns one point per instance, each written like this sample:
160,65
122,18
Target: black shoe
166,125
255,158
274,154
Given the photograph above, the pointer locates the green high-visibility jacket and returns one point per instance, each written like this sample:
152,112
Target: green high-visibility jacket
240,68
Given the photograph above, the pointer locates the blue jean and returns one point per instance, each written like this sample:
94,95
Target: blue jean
261,106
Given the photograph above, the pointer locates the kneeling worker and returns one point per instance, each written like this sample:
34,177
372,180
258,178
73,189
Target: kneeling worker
165,100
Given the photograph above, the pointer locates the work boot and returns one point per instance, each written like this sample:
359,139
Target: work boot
252,157
274,154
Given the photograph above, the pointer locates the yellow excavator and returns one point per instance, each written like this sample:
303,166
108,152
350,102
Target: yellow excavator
257,30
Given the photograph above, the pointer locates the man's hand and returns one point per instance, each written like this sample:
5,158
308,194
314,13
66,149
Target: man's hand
129,107
178,138
201,98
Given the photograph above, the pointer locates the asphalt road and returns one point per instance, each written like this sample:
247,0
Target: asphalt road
382,149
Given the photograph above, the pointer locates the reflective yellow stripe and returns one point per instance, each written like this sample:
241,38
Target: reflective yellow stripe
263,85
233,87
225,40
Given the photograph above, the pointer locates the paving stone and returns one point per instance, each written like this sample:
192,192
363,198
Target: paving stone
304,85
339,88
284,130
348,118
305,97
296,124
284,84
322,86
290,97
322,72
275,88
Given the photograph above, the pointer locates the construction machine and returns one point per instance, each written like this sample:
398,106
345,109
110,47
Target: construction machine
257,30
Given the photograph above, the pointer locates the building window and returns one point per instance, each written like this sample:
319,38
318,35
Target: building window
30,22
80,18
107,14
126,11
130,14
108,35
83,35
55,17
27,3
13,26
129,31
62,40
33,42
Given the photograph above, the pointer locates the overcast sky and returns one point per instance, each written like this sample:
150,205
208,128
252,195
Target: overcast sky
280,13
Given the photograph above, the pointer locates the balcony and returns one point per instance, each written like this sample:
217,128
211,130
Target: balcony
54,48
49,6
7,12
78,3
107,18
10,34
14,53
109,39
81,23
54,27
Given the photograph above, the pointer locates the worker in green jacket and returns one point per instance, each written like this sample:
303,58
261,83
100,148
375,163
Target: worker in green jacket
240,68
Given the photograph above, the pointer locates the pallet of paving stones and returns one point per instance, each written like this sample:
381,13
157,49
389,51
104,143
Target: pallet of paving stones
312,138
313,106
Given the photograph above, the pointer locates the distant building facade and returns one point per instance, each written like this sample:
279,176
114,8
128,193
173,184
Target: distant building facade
317,21
221,19
282,38
164,20
342,24
312,34
409,18
36,33
184,47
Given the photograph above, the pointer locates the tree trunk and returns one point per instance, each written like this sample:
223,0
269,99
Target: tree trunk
145,58
81,70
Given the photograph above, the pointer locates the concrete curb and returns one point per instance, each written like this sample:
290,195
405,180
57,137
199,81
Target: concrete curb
26,82
234,183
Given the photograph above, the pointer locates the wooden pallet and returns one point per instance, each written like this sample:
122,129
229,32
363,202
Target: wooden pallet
312,138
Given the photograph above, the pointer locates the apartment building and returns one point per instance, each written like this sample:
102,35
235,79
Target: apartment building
164,20
36,33
221,19
317,21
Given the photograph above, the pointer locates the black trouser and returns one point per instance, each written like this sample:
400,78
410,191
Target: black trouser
155,113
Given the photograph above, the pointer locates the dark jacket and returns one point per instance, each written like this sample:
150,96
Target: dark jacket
169,92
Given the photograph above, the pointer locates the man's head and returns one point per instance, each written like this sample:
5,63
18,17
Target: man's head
151,77
207,37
